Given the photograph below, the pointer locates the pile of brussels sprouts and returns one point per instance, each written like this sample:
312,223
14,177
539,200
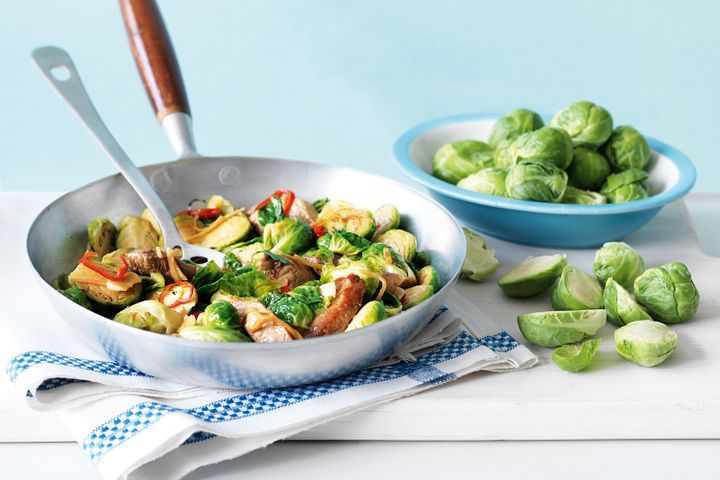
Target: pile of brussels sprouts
640,301
578,159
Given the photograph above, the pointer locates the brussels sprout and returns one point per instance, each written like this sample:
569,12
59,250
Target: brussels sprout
588,169
619,261
150,315
382,258
455,161
489,180
576,357
547,145
626,186
136,232
429,276
148,216
289,309
229,230
86,280
221,314
552,329
218,201
503,156
480,263
78,296
583,197
627,148
371,312
207,333
403,242
339,214
247,253
288,236
512,125
645,343
392,303
387,217
363,269
540,182
533,275
668,293
343,242
588,124
153,285
576,290
421,260
188,226
415,295
621,306
101,236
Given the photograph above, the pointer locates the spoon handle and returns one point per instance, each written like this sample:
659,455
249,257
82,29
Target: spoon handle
57,66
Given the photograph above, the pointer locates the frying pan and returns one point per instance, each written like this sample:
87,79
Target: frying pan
57,238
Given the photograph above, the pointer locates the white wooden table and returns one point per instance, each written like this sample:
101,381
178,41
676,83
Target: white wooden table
613,401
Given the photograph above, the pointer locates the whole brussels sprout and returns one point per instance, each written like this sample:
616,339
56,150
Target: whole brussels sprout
343,242
101,236
371,312
429,276
619,261
206,333
576,290
588,124
489,180
455,161
588,169
627,148
576,357
402,241
502,156
344,215
621,306
583,197
287,236
150,315
547,145
668,293
532,276
626,186
552,329
512,125
480,262
536,181
221,314
645,343
386,218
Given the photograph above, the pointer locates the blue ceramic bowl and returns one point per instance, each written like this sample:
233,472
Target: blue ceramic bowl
671,176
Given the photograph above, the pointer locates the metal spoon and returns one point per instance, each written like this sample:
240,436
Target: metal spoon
57,66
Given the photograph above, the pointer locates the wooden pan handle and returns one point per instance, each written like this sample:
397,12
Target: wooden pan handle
155,57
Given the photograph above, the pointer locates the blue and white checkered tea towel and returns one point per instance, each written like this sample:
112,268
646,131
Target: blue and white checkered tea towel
132,425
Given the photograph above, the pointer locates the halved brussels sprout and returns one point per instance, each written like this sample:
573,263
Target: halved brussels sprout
627,148
288,236
429,276
621,305
533,275
626,186
387,217
392,303
150,315
384,259
343,242
536,181
576,290
480,263
546,145
552,329
106,292
207,333
230,230
489,180
101,236
371,312
422,259
136,232
415,295
512,125
588,124
246,254
343,215
366,271
218,201
645,343
619,261
588,169
668,293
402,241
577,356
221,314
455,161
583,197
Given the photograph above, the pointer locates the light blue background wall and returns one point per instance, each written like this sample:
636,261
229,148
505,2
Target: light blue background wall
338,81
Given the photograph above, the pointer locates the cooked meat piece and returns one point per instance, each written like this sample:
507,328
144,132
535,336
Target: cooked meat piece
260,323
144,261
300,210
342,309
291,273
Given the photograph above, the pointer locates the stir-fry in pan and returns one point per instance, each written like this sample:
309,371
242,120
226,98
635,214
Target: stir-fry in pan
292,270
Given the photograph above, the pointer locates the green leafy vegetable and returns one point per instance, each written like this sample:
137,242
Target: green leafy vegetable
272,212
576,357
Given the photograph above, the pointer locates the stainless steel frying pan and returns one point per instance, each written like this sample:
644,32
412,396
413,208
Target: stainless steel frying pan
57,238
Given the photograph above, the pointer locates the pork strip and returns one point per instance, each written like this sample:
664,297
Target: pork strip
290,274
144,261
